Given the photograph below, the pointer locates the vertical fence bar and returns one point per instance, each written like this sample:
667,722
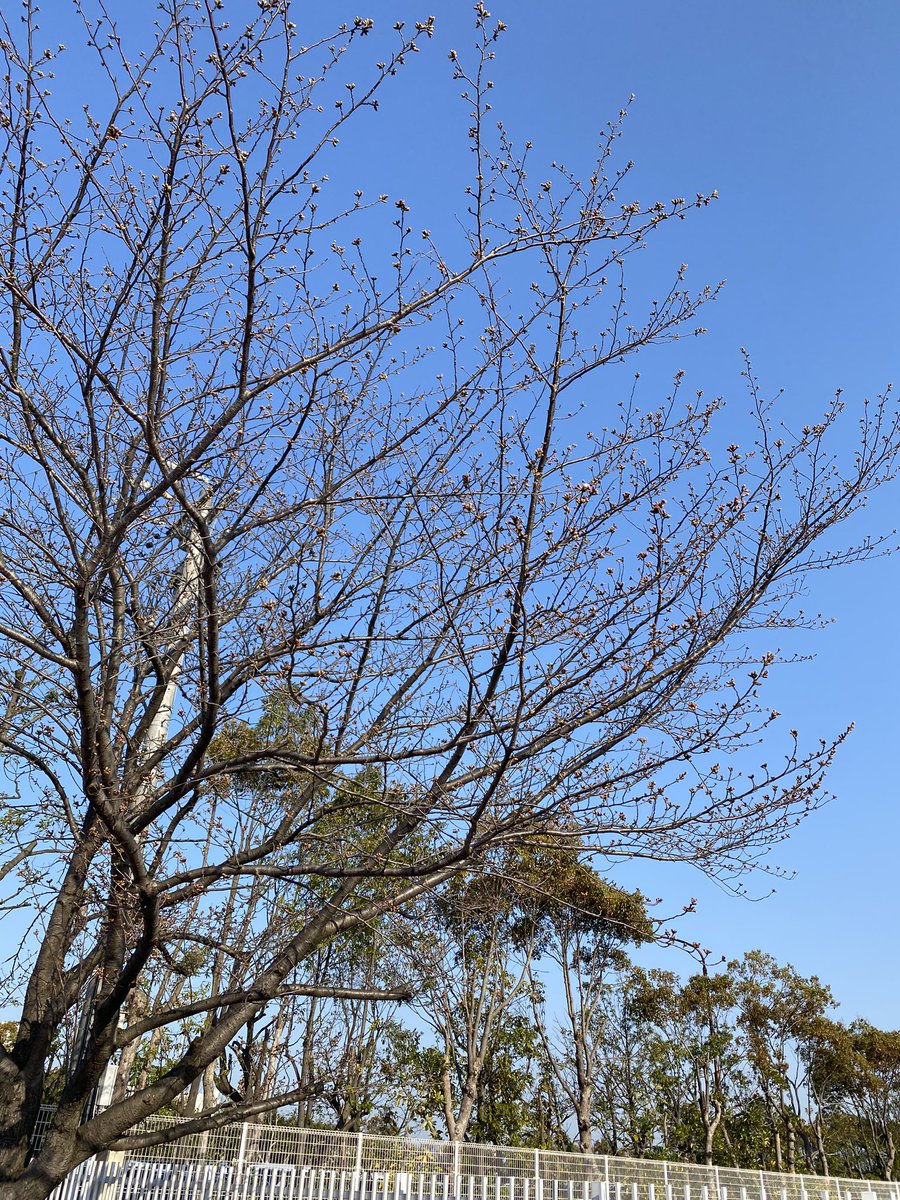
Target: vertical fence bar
242,1159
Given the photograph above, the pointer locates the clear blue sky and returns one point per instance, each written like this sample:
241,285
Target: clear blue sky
790,110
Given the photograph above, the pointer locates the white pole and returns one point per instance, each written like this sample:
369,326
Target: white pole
158,732
242,1151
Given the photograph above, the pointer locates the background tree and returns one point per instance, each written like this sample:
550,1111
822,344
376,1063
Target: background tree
631,1113
260,433
583,922
778,1011
471,956
509,1111
692,1060
875,1094
705,1006
827,1053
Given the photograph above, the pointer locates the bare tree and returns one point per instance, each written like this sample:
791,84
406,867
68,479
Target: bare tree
243,455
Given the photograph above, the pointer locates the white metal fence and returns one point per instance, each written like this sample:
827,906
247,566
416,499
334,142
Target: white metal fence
276,1162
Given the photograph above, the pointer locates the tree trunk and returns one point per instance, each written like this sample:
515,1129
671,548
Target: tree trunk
890,1153
820,1144
708,1145
583,1117
791,1141
13,1121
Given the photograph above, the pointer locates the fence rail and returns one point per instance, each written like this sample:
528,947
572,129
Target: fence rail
276,1162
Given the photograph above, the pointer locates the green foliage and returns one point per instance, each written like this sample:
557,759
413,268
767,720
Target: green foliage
556,886
505,1112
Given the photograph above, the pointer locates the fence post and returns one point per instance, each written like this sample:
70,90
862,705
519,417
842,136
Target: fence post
455,1186
538,1187
718,1184
242,1154
356,1184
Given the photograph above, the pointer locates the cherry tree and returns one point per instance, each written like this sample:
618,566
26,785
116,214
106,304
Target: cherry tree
264,434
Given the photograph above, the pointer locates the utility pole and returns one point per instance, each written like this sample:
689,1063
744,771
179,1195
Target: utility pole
186,589
186,593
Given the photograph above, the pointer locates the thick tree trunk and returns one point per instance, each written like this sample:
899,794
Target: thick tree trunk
585,1132
58,1158
711,1116
14,1119
708,1146
467,1102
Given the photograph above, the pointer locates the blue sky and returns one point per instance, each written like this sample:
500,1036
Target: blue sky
789,110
